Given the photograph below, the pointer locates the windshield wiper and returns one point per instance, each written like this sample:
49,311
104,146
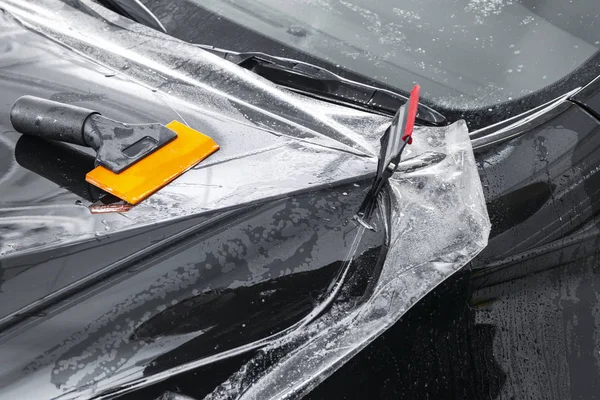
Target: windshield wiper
307,79
321,83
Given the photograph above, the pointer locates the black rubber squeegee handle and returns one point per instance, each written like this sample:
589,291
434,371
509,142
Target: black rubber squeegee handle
118,145
50,120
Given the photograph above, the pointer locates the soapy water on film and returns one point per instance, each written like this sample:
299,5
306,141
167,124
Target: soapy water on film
438,223
270,125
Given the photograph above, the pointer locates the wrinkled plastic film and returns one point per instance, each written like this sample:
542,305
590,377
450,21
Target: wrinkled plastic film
256,123
438,218
438,223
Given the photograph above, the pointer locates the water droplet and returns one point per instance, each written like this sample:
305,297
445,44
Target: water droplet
297,31
541,151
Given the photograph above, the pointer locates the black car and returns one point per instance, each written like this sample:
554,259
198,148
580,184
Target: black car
268,266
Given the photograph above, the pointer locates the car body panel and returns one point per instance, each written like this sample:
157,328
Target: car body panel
239,174
229,254
89,290
542,186
514,324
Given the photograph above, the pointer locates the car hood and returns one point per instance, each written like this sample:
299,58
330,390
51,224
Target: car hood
275,202
131,73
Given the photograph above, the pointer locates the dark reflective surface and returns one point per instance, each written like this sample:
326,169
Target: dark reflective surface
234,278
164,291
541,186
517,206
58,163
533,337
233,251
525,325
520,322
236,317
235,33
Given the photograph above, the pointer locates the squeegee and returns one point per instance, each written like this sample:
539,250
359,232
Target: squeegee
132,160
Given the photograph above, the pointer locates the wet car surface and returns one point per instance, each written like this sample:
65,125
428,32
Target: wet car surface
495,329
511,324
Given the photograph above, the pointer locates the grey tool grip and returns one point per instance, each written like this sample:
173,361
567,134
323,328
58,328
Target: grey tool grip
118,145
51,120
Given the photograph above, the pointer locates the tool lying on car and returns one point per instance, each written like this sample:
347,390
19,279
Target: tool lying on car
393,142
132,160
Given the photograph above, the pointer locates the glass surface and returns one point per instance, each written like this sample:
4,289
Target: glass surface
464,53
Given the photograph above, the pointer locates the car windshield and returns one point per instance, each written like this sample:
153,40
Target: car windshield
465,53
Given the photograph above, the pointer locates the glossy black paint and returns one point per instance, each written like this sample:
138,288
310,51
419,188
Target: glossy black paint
521,320
58,163
542,194
475,337
527,330
167,282
541,186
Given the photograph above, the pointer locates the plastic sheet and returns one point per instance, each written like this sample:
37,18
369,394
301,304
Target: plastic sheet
438,223
141,75
438,219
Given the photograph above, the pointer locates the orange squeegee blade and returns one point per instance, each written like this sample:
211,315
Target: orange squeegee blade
158,168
